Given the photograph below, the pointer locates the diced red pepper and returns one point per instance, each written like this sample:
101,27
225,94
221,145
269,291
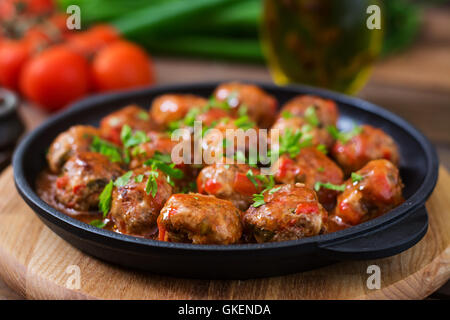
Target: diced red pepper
242,184
61,182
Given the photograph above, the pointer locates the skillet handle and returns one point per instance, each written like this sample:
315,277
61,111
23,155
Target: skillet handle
381,243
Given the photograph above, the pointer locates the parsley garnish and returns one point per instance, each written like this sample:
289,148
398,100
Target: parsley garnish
98,223
123,180
329,185
107,149
139,178
258,199
269,183
105,198
286,114
344,137
131,140
311,116
322,148
143,115
152,185
163,162
244,123
356,177
290,143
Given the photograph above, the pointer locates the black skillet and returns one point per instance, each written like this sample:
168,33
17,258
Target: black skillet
385,236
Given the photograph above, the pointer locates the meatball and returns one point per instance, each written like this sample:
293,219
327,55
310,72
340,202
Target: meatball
318,135
289,212
261,106
134,210
309,167
76,139
373,191
133,116
324,110
369,144
225,134
83,178
231,182
158,142
199,219
172,107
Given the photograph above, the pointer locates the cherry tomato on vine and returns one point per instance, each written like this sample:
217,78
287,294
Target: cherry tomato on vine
55,78
121,65
13,56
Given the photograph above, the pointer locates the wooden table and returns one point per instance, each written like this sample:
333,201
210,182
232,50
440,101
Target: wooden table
414,84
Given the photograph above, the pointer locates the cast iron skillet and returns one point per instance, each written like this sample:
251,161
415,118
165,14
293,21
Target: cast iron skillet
385,236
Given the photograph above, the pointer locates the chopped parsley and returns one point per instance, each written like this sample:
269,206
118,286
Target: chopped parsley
286,114
321,169
344,137
269,183
105,198
322,148
139,178
123,180
292,143
258,199
329,185
143,115
98,223
152,185
356,177
131,140
163,162
311,116
111,151
244,123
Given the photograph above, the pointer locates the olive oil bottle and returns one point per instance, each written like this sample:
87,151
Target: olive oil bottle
324,43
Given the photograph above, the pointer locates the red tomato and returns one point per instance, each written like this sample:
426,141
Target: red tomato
90,42
55,78
13,56
121,65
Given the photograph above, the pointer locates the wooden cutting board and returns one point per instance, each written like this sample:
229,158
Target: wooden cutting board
39,265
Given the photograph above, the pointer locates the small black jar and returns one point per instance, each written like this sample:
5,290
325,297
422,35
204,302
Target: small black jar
11,125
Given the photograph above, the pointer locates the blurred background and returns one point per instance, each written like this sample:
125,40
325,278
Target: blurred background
123,44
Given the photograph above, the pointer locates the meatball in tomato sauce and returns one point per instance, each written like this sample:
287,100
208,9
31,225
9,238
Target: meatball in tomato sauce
173,107
369,144
83,178
133,116
136,204
316,110
199,219
234,182
316,135
68,143
286,212
309,167
260,106
371,192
